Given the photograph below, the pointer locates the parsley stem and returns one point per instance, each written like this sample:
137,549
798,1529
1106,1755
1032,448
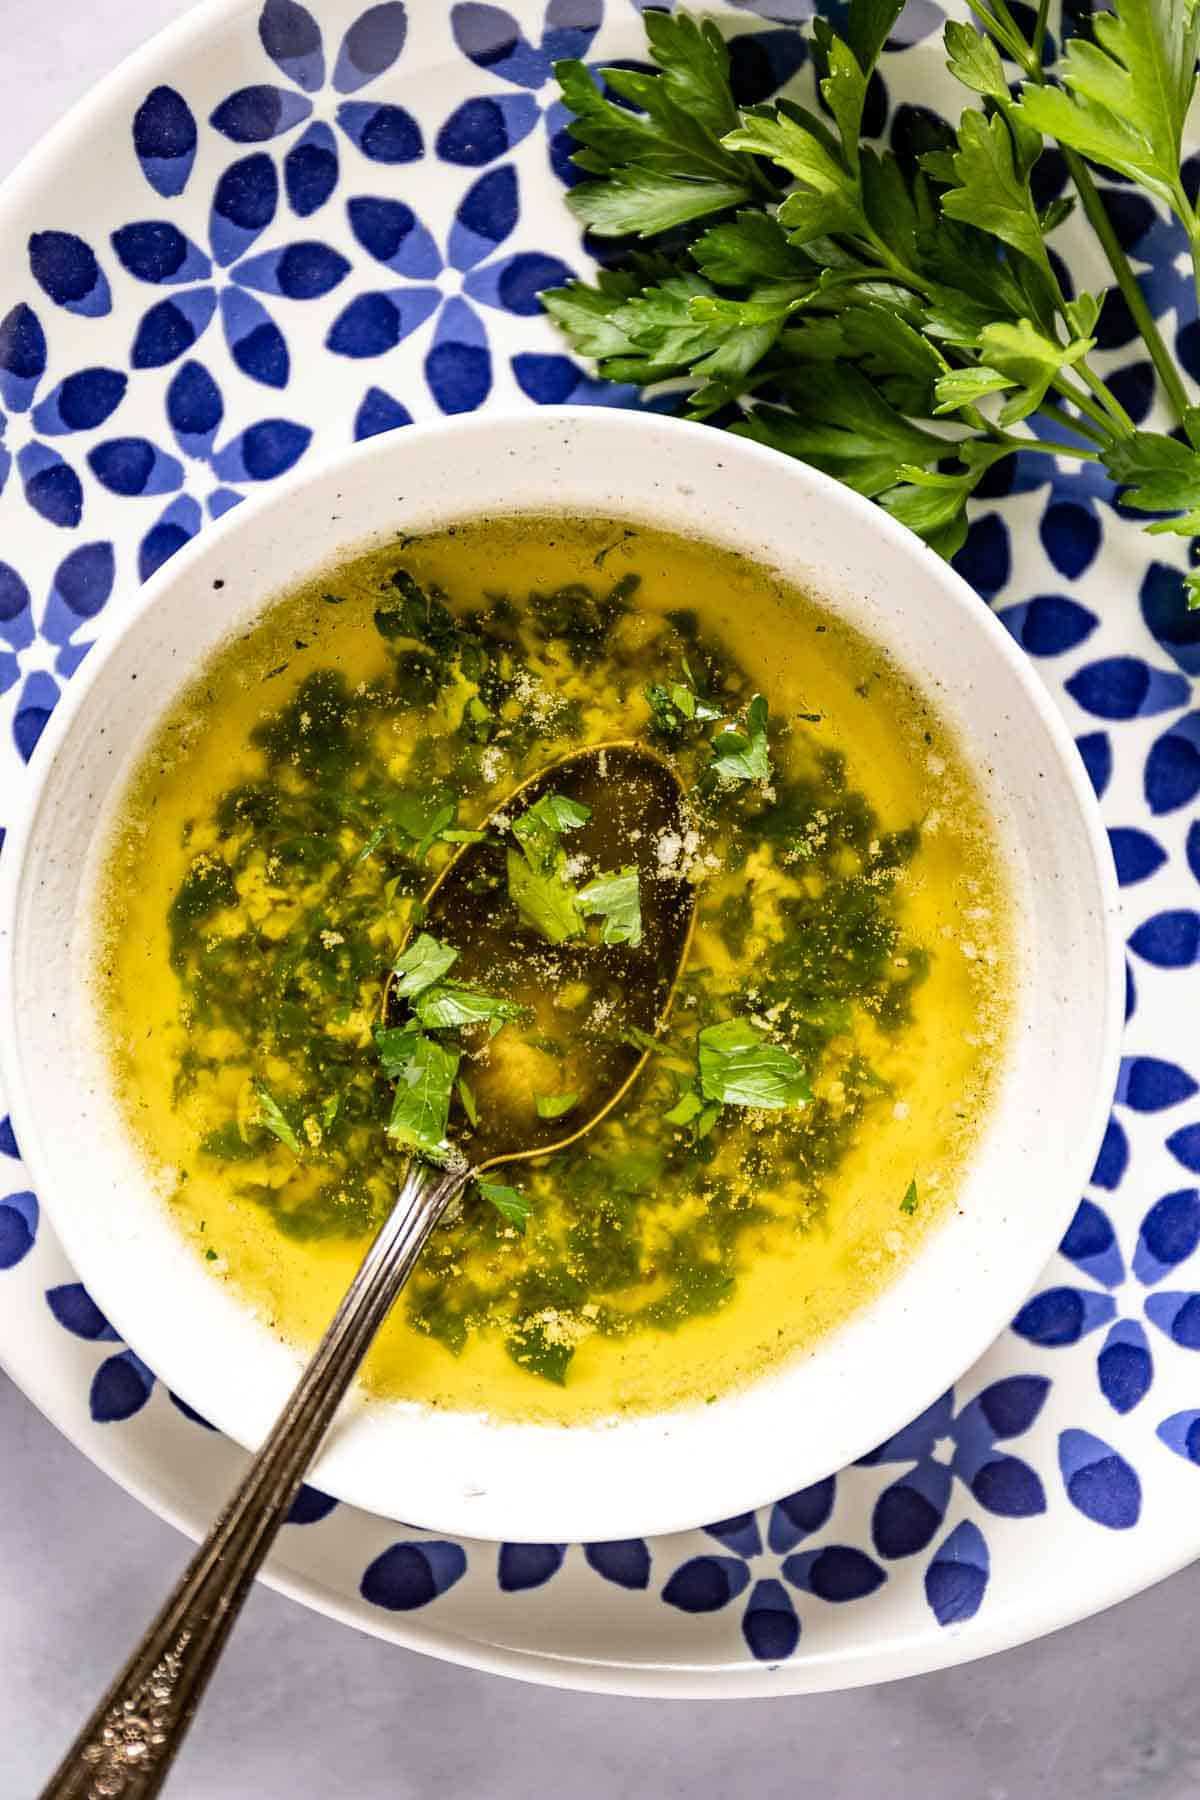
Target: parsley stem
1131,293
1047,446
1060,416
1039,33
1086,405
1107,398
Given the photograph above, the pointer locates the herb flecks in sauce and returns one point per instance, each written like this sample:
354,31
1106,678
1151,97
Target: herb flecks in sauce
829,1034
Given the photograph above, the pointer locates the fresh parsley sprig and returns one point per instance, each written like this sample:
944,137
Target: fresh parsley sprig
892,320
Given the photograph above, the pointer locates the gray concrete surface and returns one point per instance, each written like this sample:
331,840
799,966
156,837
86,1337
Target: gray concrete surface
304,1709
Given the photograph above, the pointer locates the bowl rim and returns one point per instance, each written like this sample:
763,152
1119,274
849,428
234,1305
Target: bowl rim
136,604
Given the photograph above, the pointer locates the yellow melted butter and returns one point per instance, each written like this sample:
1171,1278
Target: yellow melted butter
795,1283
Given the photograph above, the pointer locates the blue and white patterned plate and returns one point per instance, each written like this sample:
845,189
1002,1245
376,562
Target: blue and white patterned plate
268,233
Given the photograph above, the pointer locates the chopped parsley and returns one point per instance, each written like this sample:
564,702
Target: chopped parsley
273,1118
740,1066
508,1201
618,902
423,963
744,755
553,1106
909,1202
424,1072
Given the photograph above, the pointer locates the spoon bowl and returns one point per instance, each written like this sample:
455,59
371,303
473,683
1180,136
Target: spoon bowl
620,992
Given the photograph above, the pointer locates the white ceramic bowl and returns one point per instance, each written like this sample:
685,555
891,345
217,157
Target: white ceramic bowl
460,1473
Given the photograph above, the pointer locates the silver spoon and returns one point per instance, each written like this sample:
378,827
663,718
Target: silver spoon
126,1748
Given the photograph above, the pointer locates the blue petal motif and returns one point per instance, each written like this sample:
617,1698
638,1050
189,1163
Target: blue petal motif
1099,1483
121,1387
52,487
1181,1433
255,114
1184,1146
1172,776
172,327
164,140
378,413
1124,687
310,1505
1070,536
263,451
221,501
375,323
154,250
243,206
133,465
798,1515
1136,854
624,1561
837,1573
291,37
1091,1244
303,271
370,46
1096,752
410,1575
310,169
78,1313
1148,1084
18,1227
8,1140
22,357
38,699
82,585
1112,1159
516,282
769,1623
740,1534
256,343
385,134
760,62
908,1513
1192,847
486,215
458,367
1163,600
16,621
706,1583
957,1577
195,409
985,560
521,1566
1169,1234
80,402
1170,940
1063,1315
491,39
1124,1367
391,232
479,131
1178,1316
1048,624
66,269
177,525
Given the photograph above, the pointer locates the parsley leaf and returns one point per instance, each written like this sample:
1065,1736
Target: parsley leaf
1127,94
740,1066
553,1106
467,1096
424,961
538,829
544,901
446,1006
272,1118
508,1201
617,900
745,755
424,1082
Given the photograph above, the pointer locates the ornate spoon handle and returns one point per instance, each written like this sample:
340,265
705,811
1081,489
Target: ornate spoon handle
127,1746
